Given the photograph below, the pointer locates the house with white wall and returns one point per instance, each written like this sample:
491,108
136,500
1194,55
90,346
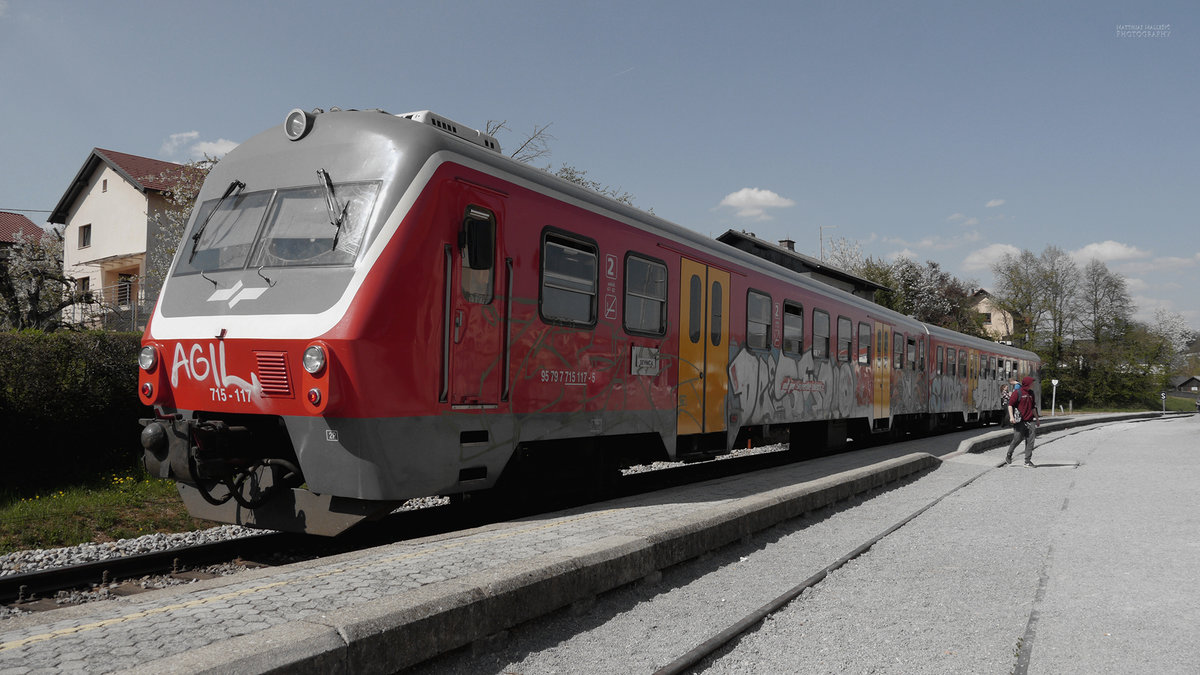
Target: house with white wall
110,214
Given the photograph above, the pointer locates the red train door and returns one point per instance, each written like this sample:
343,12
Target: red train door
475,327
703,348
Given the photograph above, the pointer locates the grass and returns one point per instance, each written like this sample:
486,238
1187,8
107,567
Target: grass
114,507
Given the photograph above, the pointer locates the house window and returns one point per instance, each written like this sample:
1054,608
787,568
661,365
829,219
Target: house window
645,296
793,328
85,236
104,185
568,282
758,320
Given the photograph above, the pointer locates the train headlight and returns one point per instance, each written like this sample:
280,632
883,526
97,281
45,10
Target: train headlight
148,358
297,124
314,360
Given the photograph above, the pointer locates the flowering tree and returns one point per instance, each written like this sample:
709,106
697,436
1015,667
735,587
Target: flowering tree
180,197
33,289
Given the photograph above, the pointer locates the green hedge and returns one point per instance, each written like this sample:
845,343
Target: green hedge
68,407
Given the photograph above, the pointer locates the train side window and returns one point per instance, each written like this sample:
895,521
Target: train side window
962,363
921,354
898,351
912,354
477,245
820,329
568,281
941,360
845,335
758,320
645,296
951,365
793,328
718,311
864,343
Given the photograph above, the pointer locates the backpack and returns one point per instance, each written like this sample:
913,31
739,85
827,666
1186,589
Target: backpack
1021,396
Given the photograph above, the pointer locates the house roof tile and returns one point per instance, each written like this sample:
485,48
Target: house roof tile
12,223
143,173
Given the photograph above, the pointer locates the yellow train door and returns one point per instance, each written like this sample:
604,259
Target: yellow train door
703,348
882,368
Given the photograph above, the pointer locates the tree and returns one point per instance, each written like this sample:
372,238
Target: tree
1059,280
33,289
1018,291
1105,307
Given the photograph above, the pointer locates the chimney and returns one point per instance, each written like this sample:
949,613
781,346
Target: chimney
788,244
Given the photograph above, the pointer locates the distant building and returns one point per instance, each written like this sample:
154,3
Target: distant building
997,323
784,254
11,225
109,211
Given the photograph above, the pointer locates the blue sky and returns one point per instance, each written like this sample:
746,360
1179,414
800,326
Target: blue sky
945,131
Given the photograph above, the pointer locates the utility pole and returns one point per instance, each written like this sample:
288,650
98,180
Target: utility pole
821,229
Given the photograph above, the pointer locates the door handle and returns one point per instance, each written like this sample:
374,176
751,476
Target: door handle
458,322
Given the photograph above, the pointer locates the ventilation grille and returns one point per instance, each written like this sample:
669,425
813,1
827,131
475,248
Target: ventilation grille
273,374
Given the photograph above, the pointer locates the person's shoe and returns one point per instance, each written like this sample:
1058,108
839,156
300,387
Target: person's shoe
1029,464
1008,459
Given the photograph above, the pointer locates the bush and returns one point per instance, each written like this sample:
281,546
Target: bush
68,406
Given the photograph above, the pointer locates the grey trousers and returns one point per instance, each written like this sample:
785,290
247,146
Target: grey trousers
1027,431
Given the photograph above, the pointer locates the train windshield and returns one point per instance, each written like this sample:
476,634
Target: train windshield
281,228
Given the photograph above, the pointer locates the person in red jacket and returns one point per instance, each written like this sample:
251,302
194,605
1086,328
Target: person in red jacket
1023,414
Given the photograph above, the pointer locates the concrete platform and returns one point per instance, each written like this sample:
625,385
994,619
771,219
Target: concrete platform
383,609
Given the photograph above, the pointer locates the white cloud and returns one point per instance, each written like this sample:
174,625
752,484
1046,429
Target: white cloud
752,203
187,146
994,203
176,141
1106,251
983,259
955,217
215,148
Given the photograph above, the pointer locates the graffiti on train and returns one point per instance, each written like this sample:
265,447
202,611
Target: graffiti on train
775,387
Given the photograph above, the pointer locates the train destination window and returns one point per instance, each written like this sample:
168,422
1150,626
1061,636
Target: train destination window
864,343
897,351
645,296
758,320
845,335
568,281
477,243
793,328
820,346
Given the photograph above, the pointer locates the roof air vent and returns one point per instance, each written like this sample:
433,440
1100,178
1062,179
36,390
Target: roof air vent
451,127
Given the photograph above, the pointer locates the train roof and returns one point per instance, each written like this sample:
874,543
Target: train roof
406,142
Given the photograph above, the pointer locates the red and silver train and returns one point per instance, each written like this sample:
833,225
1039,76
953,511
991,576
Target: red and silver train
367,308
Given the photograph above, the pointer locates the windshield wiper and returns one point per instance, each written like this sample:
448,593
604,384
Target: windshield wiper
236,185
336,215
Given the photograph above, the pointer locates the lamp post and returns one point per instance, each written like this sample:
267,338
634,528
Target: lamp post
1053,397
